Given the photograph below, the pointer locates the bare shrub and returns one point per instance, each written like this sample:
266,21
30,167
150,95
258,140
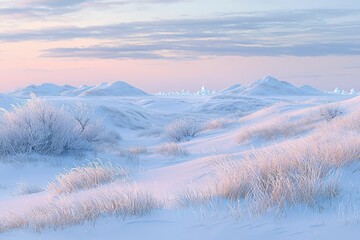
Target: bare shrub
172,149
68,210
182,129
82,114
26,189
331,111
91,130
85,177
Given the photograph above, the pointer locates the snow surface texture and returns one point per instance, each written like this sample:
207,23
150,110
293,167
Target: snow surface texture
253,162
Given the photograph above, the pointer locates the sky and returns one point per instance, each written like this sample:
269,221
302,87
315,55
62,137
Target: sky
168,45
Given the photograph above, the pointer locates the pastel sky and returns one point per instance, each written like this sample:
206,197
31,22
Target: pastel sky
166,45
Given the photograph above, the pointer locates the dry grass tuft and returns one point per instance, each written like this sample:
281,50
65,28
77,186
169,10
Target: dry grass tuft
85,177
218,123
133,153
172,149
298,172
68,210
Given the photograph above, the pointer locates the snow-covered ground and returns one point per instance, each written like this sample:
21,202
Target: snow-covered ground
268,160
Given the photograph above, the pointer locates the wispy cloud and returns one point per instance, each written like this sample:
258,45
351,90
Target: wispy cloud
296,33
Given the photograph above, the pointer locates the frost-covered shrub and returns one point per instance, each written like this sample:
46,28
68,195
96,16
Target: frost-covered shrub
182,129
41,128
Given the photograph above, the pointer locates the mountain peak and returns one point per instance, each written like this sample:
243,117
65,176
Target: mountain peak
269,79
119,84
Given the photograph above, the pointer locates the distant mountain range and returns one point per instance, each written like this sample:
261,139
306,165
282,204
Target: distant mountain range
104,89
268,86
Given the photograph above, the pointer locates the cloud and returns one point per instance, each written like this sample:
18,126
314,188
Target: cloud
279,33
52,3
45,8
183,50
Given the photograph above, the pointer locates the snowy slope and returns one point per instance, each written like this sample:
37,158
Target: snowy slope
234,89
140,121
163,176
113,89
311,90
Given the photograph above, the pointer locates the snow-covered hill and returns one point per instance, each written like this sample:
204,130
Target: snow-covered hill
270,86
